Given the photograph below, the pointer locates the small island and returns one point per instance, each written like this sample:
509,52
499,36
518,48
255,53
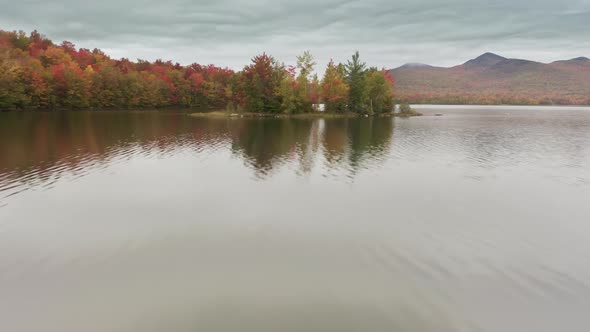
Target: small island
406,111
403,111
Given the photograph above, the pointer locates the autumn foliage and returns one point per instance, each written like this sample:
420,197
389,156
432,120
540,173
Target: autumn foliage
37,74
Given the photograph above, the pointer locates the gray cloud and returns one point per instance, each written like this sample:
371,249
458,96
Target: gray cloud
387,33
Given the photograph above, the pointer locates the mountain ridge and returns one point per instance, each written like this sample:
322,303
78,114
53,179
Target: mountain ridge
493,79
486,55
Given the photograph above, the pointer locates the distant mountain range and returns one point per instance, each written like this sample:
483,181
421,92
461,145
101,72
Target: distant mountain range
493,79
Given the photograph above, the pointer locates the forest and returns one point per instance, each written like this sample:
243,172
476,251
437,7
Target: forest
37,74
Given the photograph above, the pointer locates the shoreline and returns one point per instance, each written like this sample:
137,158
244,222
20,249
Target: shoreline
503,106
416,107
316,115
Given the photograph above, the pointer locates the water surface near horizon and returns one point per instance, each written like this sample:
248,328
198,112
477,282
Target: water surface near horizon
152,221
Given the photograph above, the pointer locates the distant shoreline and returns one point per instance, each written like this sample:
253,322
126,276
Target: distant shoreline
513,107
304,115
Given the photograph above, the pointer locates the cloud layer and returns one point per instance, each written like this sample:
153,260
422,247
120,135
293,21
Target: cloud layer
387,33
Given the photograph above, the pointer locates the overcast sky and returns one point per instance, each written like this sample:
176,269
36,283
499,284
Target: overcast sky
388,33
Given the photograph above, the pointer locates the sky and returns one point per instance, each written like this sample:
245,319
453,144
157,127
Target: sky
387,33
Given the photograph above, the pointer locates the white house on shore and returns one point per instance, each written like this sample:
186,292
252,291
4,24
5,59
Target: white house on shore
319,107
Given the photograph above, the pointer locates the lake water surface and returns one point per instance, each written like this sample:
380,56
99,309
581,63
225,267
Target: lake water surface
478,220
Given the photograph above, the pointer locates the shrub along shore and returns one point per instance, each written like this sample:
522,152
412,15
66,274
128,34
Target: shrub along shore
404,113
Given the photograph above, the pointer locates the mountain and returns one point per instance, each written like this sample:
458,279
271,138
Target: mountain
484,60
494,79
415,65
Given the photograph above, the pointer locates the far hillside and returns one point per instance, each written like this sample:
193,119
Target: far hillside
493,79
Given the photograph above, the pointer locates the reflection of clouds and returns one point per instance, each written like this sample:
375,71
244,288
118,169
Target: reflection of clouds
413,246
484,142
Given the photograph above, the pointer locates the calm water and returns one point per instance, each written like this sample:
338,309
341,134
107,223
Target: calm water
478,220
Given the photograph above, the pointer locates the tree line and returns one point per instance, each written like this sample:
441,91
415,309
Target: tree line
36,74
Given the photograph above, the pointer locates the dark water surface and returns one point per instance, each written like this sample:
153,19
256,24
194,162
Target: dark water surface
478,220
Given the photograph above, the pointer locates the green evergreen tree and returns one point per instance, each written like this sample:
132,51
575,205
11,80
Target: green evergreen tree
355,77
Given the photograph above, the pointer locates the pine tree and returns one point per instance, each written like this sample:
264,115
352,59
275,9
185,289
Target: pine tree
355,77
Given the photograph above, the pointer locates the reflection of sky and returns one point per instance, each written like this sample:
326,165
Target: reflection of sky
460,222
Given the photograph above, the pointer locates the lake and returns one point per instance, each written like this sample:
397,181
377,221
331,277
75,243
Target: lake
477,220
